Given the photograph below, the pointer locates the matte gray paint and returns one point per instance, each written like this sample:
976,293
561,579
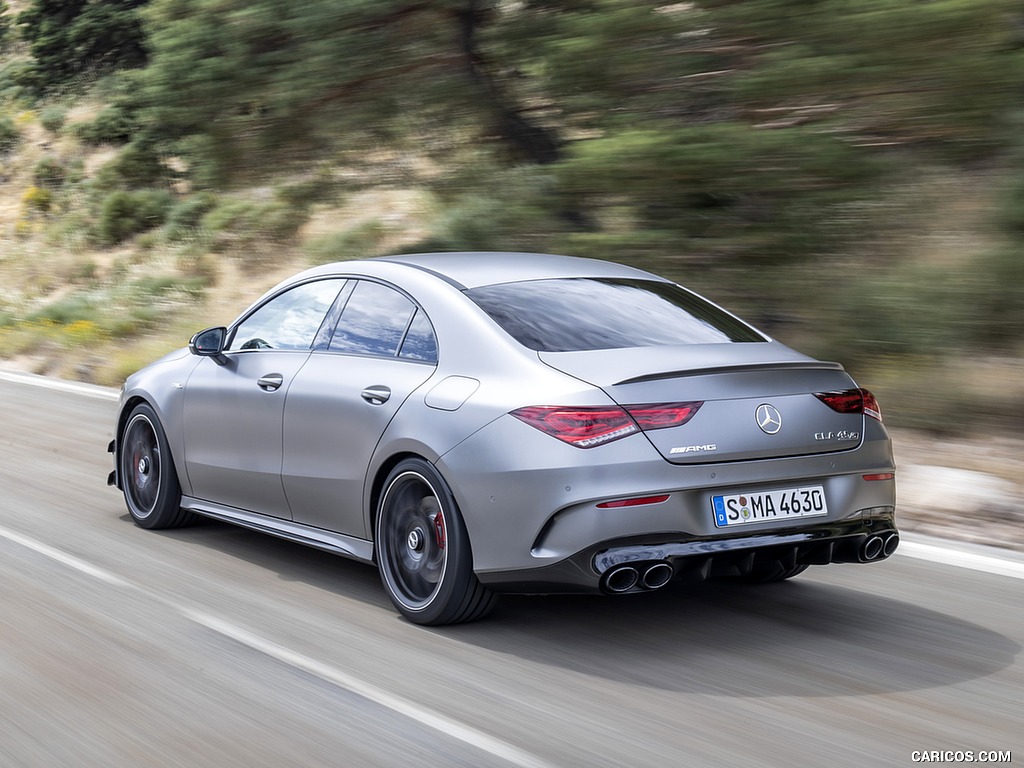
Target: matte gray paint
528,500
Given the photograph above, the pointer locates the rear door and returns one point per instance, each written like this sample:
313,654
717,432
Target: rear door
344,398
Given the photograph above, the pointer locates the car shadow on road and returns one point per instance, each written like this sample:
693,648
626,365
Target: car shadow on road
796,638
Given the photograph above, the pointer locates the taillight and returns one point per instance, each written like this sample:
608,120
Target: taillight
582,427
852,401
663,415
587,427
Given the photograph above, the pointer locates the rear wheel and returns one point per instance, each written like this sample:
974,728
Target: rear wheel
148,477
423,549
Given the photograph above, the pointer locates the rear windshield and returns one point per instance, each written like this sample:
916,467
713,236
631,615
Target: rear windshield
573,314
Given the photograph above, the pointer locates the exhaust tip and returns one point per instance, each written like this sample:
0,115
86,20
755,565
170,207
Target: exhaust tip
622,579
891,542
657,576
872,549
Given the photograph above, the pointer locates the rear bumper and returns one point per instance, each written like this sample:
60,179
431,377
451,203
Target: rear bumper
870,536
532,504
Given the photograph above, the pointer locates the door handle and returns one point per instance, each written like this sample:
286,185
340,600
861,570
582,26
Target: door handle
376,395
270,382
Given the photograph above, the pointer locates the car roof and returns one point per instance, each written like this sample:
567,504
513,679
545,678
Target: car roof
479,268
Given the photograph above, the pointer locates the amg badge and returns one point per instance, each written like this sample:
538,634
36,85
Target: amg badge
694,448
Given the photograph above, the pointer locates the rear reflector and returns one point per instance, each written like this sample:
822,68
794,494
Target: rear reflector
879,476
587,427
852,401
633,502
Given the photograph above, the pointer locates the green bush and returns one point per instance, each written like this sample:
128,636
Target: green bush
186,216
49,172
360,242
302,194
124,213
138,166
113,125
53,118
19,79
74,308
5,23
9,134
243,223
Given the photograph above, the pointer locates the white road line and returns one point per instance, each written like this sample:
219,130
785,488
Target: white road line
60,385
444,725
975,561
63,557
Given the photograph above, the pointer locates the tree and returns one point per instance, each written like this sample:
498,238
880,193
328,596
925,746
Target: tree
69,37
738,131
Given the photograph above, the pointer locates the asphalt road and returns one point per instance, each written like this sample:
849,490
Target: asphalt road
214,646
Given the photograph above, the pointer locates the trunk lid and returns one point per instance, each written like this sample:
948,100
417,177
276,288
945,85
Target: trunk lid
758,398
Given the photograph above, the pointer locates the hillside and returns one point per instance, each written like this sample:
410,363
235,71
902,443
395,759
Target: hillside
846,175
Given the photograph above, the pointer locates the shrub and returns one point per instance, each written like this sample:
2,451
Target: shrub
19,79
53,118
361,241
138,166
49,172
72,309
302,194
124,213
113,125
38,199
9,134
186,216
245,223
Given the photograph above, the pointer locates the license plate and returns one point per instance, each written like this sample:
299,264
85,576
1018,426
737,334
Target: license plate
769,506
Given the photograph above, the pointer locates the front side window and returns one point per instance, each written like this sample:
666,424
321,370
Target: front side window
290,320
572,314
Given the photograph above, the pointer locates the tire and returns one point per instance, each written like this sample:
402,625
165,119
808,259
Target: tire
423,550
150,483
772,573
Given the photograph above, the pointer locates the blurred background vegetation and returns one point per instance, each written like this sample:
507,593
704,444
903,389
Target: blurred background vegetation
847,174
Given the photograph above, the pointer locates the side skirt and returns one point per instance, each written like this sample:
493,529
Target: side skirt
335,543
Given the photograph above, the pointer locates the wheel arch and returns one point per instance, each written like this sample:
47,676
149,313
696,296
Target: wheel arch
377,487
130,404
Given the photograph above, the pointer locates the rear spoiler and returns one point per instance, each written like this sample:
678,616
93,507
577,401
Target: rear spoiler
742,368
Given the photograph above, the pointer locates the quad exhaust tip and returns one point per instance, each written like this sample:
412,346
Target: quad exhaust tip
891,542
627,578
871,548
878,547
622,579
657,576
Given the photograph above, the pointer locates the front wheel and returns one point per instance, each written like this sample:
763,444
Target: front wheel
423,549
151,489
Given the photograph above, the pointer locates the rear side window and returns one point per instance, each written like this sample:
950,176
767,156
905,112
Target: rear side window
573,314
373,321
379,321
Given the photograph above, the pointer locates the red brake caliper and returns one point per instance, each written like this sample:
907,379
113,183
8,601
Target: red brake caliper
439,530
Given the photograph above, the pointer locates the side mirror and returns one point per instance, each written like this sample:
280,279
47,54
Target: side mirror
210,343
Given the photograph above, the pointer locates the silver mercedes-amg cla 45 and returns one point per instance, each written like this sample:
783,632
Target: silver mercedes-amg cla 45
476,423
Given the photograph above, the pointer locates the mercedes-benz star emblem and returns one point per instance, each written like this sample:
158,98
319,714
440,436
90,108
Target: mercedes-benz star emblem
768,418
